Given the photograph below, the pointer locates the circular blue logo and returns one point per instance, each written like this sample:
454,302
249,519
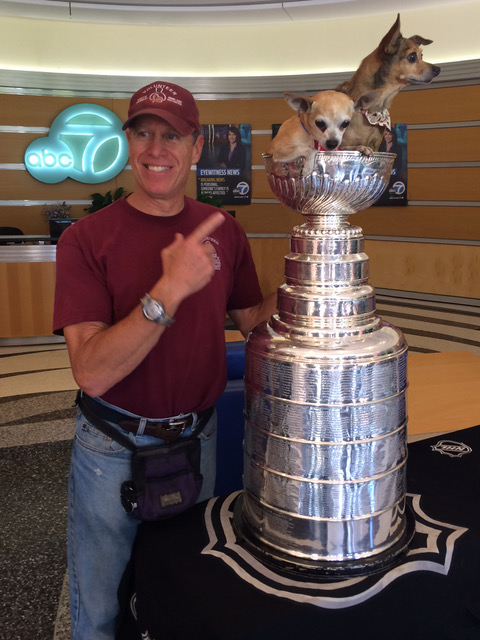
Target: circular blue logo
398,188
243,188
85,143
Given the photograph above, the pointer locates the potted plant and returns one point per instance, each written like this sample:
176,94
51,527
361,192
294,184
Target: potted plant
102,200
215,202
58,216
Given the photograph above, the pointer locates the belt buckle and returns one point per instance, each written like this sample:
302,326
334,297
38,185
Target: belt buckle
177,426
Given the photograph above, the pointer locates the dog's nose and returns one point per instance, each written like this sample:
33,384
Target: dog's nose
436,70
332,144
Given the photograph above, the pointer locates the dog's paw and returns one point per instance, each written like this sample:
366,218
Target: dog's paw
308,165
364,150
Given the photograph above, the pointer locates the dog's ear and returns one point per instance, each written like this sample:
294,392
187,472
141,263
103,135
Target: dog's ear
365,100
299,103
391,42
419,40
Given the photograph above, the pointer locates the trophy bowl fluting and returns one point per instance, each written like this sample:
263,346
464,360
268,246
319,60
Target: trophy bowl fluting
342,182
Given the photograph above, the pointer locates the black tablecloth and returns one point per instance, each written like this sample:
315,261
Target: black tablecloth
188,580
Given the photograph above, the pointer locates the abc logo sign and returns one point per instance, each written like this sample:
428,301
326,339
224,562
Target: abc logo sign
85,143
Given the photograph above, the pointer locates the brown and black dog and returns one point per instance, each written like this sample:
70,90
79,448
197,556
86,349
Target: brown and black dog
395,63
319,125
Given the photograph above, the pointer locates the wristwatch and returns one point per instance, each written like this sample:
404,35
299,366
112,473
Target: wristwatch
153,310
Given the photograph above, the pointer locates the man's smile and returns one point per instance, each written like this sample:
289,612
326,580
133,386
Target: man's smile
154,167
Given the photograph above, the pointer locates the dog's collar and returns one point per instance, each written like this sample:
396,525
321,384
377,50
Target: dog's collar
378,118
316,145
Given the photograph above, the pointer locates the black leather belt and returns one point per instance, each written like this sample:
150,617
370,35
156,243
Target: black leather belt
167,430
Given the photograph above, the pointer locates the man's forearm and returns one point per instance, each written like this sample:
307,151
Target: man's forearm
248,319
102,355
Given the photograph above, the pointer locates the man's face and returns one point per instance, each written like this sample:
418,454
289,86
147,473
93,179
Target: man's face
161,160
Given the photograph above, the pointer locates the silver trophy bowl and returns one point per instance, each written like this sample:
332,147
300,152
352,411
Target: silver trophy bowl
325,438
342,182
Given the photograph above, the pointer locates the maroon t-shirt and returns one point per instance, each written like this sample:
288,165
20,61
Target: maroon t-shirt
108,260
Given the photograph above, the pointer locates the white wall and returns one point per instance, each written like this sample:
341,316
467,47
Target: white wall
324,46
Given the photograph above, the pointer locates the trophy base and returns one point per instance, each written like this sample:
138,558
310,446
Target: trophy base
321,570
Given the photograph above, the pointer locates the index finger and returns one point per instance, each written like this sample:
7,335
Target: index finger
207,226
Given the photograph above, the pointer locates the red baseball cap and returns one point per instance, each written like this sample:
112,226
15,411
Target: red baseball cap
174,104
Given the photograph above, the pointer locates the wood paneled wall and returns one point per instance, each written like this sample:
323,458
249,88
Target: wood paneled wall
27,294
443,186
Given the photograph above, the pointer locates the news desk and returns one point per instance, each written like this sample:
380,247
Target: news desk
189,579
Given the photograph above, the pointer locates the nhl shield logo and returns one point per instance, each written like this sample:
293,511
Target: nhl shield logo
431,550
451,448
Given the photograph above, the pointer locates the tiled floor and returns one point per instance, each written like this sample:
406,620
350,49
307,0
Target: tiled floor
37,393
430,326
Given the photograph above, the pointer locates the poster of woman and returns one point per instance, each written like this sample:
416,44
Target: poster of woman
395,141
224,170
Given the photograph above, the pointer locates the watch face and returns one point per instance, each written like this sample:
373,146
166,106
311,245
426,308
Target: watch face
153,310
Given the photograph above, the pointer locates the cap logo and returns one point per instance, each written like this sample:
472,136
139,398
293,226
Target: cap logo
157,97
175,104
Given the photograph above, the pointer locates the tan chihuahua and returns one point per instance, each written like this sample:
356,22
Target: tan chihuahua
319,125
395,63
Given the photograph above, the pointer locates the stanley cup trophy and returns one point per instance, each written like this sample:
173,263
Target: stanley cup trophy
326,425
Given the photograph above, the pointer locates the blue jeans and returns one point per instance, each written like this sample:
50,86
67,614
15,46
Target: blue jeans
100,533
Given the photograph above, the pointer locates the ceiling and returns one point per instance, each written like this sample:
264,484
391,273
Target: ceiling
198,12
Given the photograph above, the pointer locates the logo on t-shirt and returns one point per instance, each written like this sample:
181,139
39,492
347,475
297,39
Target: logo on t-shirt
210,243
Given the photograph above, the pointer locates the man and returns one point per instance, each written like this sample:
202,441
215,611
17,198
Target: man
142,290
